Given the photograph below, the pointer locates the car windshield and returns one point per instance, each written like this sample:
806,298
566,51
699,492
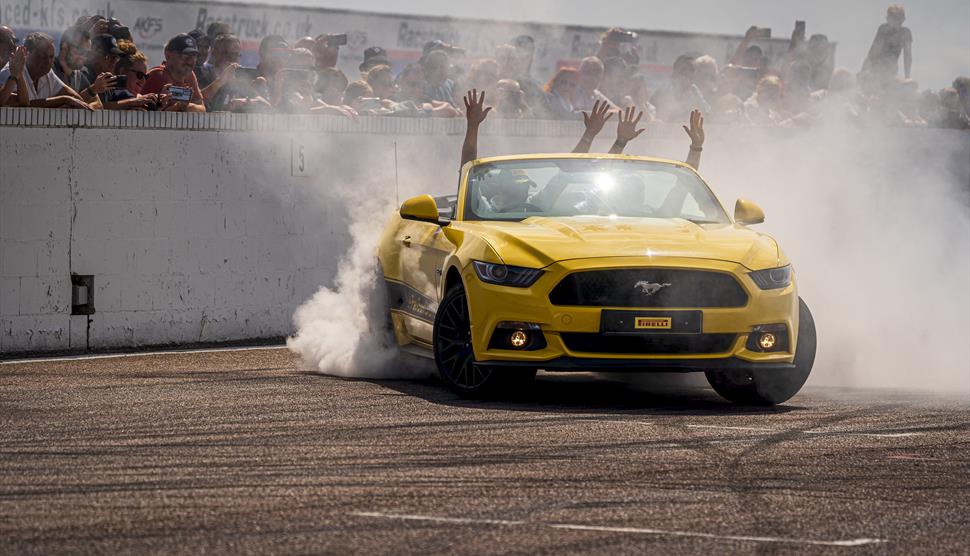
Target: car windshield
517,189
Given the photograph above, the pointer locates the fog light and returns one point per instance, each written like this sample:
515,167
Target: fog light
767,341
519,339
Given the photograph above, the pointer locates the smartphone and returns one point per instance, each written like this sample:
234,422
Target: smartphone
337,40
247,73
121,81
800,28
763,33
180,94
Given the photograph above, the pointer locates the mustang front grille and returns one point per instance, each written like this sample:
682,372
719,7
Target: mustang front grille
661,344
649,287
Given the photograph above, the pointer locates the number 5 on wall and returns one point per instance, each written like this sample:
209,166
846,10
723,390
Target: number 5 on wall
299,159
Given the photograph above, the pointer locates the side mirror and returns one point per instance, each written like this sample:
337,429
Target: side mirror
747,212
421,208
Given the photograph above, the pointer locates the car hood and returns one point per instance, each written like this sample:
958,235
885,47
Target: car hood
538,241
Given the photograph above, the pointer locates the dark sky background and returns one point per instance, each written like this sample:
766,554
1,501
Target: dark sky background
941,28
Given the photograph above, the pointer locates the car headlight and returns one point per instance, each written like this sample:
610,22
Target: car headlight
772,278
505,275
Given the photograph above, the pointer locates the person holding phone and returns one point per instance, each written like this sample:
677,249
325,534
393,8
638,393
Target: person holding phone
175,79
132,73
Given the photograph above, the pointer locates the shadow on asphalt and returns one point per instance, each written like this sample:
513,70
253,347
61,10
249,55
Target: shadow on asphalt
667,394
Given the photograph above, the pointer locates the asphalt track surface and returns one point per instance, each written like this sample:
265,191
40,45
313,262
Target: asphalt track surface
245,452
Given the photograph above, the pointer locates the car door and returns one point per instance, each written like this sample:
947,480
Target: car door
422,254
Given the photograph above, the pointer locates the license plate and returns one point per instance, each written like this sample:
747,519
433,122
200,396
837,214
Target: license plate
652,323
619,322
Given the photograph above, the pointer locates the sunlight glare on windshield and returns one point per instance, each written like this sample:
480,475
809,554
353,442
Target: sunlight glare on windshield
605,182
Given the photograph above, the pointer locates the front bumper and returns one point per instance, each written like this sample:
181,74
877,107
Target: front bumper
490,305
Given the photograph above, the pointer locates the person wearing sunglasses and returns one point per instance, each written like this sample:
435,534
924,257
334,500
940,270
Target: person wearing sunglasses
133,69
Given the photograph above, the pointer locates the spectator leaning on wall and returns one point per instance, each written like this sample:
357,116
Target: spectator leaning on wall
43,88
177,71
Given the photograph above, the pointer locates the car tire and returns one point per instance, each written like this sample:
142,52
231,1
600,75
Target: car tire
763,387
455,357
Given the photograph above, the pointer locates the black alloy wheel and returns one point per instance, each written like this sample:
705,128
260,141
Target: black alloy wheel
453,353
760,387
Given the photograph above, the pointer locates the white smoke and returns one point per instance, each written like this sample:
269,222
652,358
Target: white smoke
876,222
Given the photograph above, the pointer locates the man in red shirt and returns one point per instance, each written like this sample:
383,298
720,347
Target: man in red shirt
177,71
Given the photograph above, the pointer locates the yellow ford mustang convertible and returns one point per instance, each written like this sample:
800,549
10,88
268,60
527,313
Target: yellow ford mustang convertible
567,262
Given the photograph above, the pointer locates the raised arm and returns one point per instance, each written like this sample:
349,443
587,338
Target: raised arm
908,54
17,62
626,129
594,120
743,45
475,113
874,49
696,134
227,75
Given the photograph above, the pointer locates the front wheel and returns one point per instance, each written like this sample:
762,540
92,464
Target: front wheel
455,357
759,387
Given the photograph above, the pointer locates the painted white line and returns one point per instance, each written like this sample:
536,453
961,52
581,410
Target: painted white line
849,542
409,517
635,530
757,429
136,354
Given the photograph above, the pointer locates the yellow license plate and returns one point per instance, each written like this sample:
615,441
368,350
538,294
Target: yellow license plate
652,323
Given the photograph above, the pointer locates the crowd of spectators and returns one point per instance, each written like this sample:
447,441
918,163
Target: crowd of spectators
97,65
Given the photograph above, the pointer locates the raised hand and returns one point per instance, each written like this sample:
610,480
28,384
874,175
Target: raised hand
626,127
18,61
597,117
229,73
103,82
696,129
475,110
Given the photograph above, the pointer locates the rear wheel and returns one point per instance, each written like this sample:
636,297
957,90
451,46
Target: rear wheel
455,357
760,387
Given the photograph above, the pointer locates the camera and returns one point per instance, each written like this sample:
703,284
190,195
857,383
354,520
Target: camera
336,40
121,81
180,94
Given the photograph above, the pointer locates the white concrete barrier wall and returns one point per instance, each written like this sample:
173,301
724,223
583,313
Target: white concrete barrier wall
196,229
203,228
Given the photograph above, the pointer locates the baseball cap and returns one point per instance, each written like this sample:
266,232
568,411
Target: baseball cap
183,44
431,46
374,56
105,44
200,37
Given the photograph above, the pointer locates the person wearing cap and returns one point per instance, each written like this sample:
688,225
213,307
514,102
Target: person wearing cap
43,88
440,87
102,58
203,43
177,71
374,56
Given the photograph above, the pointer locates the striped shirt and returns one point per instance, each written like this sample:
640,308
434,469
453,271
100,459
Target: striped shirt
444,92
